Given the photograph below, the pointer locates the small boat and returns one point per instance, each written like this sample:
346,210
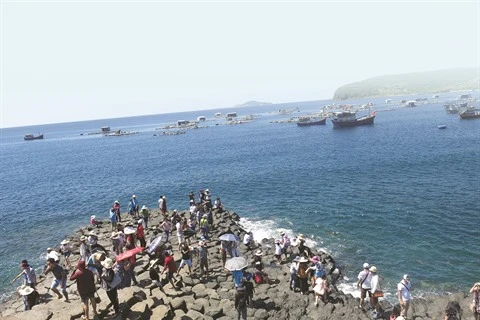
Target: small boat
348,119
29,137
451,108
442,126
470,113
305,122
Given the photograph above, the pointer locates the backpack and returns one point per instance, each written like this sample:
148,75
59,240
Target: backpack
258,278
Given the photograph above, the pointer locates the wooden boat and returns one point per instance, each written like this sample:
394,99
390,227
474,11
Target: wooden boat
348,119
305,122
29,137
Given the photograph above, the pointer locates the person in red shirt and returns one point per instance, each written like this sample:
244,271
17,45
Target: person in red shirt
141,234
85,286
171,267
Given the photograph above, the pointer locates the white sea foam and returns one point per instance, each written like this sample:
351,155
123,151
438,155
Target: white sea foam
268,229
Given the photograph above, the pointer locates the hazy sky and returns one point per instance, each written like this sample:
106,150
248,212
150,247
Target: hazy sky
77,60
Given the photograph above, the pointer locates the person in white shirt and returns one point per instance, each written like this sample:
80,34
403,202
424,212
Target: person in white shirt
248,240
404,288
375,286
180,236
364,280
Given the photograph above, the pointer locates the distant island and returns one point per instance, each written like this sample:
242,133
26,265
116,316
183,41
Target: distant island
252,104
412,83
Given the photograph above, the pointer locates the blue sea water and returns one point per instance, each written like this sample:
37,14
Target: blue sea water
401,194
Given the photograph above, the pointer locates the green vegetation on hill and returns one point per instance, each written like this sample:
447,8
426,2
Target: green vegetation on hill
411,83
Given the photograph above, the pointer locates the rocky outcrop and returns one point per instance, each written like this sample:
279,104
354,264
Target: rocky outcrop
213,298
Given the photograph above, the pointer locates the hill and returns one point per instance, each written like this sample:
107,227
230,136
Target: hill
411,83
252,104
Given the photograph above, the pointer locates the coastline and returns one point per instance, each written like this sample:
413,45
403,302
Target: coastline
213,298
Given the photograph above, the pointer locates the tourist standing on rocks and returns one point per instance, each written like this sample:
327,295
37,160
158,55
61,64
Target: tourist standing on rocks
191,197
60,278
303,250
364,283
135,205
30,297
116,209
131,208
92,241
475,306
84,251
166,228
186,258
170,267
180,236
241,301
204,226
141,234
248,240
404,294
145,214
278,251
66,250
85,286
285,243
293,274
113,219
163,205
110,281
28,273
203,258
321,290
317,269
302,275
115,243
375,283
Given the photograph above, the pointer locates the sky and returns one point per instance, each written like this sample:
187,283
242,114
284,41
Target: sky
65,61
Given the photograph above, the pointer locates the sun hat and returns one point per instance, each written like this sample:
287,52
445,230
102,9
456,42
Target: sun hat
366,266
114,235
133,196
116,201
107,263
373,269
65,241
25,290
278,241
140,221
259,253
144,207
205,216
49,249
83,238
303,259
301,237
201,243
315,259
405,277
206,190
282,233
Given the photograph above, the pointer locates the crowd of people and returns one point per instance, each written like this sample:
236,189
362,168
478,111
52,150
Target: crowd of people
114,269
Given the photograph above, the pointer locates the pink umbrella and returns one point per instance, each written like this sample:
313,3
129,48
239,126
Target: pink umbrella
129,253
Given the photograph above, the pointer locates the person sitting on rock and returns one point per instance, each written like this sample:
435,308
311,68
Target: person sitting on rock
30,297
248,240
218,205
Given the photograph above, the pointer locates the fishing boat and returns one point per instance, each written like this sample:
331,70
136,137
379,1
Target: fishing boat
32,137
349,119
307,121
470,113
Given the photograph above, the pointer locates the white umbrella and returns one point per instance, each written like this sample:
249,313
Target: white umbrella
236,263
229,237
154,244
